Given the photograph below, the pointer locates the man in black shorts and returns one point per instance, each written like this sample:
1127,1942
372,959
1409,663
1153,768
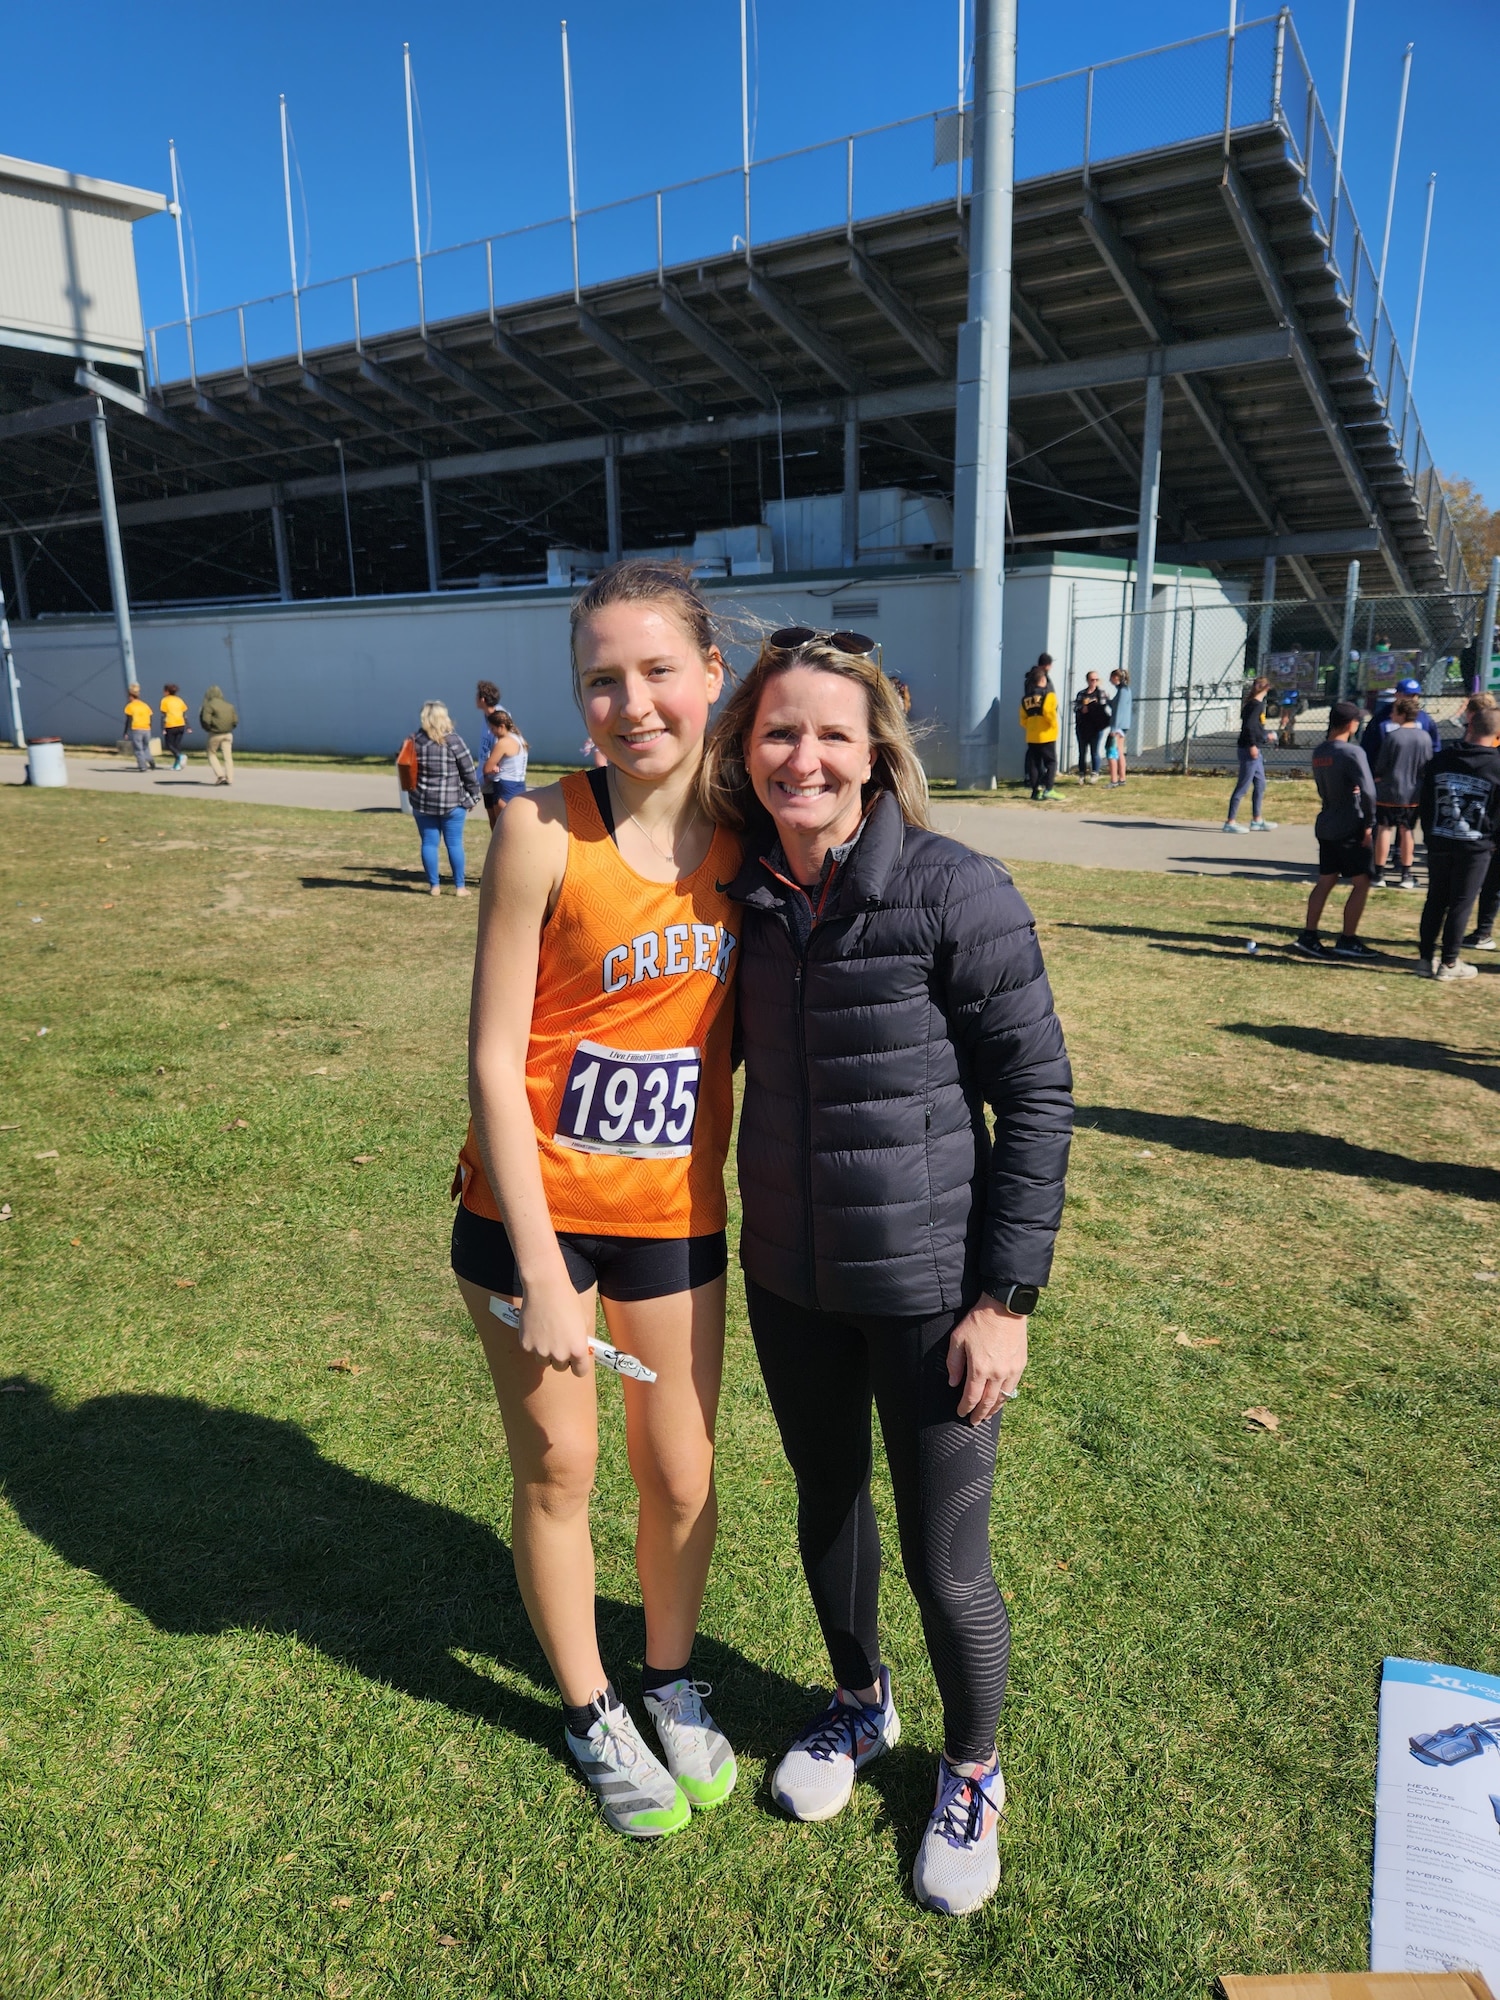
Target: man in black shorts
1405,752
1343,829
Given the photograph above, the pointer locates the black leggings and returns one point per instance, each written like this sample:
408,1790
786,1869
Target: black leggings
821,1370
1455,875
1041,765
1489,895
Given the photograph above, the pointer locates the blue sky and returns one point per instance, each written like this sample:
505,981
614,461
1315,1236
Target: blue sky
658,101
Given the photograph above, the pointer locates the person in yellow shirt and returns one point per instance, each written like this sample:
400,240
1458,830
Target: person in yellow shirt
1039,720
138,716
174,724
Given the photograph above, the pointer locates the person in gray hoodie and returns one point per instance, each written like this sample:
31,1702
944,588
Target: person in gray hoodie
1404,754
219,719
1344,830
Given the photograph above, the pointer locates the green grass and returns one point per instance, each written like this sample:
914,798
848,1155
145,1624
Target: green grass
1149,794
273,1722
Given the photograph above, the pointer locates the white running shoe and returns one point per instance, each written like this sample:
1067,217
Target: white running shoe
636,1793
697,1751
1264,825
958,1864
1458,971
1232,826
815,1777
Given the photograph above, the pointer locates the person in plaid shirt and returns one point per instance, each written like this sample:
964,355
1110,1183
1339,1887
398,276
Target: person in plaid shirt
447,789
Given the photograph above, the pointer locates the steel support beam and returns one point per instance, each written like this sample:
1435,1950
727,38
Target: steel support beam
18,571
114,551
1176,357
546,372
614,539
1045,344
430,530
1268,549
889,303
644,371
679,314
829,356
423,405
1145,539
291,413
850,535
349,406
487,393
236,420
278,542
48,417
984,397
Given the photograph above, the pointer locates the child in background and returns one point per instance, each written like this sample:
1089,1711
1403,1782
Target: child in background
1120,711
138,717
1039,720
173,724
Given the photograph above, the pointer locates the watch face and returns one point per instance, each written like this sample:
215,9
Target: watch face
1023,1298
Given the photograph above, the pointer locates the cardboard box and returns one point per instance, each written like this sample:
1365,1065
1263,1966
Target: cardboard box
1357,1986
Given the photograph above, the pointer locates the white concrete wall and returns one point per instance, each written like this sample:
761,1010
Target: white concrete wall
351,676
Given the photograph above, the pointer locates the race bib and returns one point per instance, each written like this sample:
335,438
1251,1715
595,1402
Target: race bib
639,1103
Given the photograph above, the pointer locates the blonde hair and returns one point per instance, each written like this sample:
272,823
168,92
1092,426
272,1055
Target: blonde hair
724,788
437,723
638,580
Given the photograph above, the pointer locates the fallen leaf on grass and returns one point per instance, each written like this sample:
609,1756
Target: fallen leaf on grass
9,1128
184,1284
76,1243
236,1125
1263,1419
1198,1340
282,1859
1487,1277
12,1388
363,1160
223,1024
106,906
5,1212
344,1366
445,1939
319,1072
386,1896
341,1902
50,1154
1147,1154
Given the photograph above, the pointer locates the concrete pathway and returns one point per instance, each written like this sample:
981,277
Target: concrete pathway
254,784
1011,833
1120,840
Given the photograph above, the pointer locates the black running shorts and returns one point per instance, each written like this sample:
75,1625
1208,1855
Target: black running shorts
1344,857
627,1268
1402,816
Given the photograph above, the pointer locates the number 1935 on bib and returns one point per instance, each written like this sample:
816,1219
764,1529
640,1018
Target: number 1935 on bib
640,1103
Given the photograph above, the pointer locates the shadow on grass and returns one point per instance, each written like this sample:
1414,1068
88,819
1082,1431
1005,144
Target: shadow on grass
1313,1152
392,881
1481,1066
209,1519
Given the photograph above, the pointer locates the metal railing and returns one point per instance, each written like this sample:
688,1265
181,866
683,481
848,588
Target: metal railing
1181,92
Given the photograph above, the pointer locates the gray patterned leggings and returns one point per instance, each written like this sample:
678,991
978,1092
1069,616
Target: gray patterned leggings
822,1371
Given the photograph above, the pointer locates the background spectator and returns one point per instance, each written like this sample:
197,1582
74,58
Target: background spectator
504,769
138,716
173,724
1252,749
1090,720
1343,829
1121,714
219,719
1039,720
1384,708
447,789
1404,753
1460,819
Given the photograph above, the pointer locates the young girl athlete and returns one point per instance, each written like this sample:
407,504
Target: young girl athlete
599,1053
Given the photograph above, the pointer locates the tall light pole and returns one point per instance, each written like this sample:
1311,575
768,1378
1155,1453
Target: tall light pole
1416,323
187,309
291,234
1390,200
1338,147
982,426
411,172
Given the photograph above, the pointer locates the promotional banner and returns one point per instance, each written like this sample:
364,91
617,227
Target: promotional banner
1436,1906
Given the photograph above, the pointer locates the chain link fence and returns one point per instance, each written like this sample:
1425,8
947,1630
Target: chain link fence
1192,665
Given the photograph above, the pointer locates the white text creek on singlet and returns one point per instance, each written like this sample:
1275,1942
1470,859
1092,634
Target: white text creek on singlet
669,953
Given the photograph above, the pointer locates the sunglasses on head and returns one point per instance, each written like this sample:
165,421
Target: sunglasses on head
790,637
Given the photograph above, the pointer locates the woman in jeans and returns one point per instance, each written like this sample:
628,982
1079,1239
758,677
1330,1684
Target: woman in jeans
1252,751
891,996
447,789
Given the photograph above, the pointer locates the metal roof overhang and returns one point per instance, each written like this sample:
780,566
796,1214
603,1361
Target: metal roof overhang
1203,263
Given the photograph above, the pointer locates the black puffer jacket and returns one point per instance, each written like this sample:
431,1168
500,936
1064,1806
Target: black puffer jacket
869,1180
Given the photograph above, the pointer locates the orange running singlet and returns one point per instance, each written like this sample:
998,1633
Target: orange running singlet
628,1066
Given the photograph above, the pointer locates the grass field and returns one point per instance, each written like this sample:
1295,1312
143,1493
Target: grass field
271,1720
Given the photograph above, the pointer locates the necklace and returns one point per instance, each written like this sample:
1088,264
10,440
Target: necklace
669,855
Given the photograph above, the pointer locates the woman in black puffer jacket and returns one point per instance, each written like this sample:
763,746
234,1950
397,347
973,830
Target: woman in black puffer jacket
891,991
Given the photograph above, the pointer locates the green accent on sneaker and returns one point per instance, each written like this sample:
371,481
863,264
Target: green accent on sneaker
667,1819
704,1797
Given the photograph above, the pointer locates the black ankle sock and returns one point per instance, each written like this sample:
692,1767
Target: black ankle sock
581,1720
653,1678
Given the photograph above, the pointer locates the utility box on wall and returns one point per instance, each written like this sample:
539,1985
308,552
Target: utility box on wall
67,263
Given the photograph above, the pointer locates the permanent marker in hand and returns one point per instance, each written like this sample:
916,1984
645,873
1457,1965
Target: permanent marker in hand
604,1354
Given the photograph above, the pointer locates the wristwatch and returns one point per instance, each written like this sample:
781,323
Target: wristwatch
1020,1299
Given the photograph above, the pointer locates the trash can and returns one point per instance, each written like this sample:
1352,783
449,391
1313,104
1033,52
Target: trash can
44,760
